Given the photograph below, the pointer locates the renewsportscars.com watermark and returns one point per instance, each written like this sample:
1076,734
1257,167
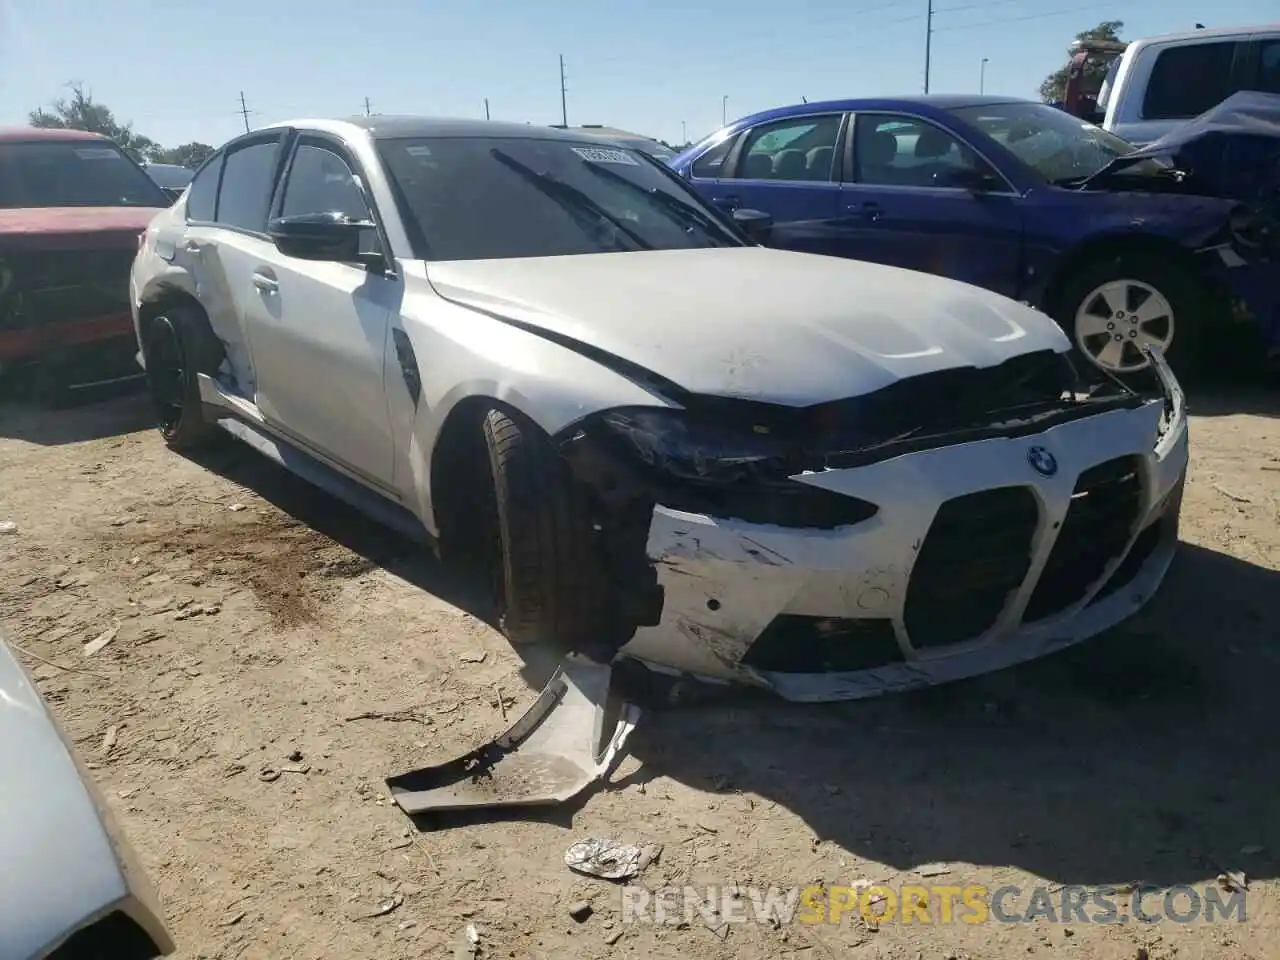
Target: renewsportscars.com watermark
879,904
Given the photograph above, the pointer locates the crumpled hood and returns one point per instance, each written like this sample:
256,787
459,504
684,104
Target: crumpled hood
60,228
753,322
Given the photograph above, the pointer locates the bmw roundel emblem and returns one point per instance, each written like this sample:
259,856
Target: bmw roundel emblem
1042,461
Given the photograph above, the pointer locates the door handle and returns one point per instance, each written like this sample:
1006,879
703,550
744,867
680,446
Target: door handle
867,211
266,284
727,203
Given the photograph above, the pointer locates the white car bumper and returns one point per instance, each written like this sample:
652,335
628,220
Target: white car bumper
976,560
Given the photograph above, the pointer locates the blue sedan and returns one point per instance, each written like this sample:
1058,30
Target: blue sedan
999,193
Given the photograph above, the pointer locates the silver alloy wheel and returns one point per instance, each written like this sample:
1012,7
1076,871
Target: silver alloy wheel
1120,317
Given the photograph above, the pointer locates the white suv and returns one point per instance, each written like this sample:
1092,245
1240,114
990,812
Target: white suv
546,354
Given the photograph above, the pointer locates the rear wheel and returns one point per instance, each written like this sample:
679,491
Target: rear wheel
179,346
549,584
1111,309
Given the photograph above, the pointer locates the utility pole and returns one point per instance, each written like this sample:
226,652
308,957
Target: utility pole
244,112
982,76
684,132
564,109
724,110
486,108
367,111
928,41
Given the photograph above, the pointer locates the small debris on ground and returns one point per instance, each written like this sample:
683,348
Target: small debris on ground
934,870
1232,496
110,737
474,657
8,528
100,641
295,756
610,859
386,907
236,507
1233,880
580,910
613,937
469,945
268,774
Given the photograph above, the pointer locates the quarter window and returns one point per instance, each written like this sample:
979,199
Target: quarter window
1269,66
320,181
793,149
1187,81
710,165
246,186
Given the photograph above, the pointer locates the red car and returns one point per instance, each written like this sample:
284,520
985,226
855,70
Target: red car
72,206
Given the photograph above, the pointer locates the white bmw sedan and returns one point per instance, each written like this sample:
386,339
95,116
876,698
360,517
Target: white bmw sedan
654,436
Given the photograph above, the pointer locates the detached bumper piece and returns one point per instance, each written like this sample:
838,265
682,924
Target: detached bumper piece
568,739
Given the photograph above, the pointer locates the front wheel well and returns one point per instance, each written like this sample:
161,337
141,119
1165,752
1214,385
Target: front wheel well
1117,247
461,487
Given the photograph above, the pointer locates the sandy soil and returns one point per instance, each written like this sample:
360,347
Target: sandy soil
257,620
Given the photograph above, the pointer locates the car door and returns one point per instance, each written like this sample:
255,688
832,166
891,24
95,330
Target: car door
224,236
918,196
786,168
318,329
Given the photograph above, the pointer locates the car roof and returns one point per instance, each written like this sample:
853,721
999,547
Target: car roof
936,101
30,134
385,127
1207,33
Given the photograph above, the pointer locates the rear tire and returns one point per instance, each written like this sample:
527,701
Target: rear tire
550,588
1109,306
180,344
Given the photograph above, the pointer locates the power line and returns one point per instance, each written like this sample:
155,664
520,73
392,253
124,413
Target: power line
1033,16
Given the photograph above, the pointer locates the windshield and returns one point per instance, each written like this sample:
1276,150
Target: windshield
1056,145
481,198
80,173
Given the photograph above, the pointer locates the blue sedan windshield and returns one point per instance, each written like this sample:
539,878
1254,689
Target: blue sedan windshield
1050,141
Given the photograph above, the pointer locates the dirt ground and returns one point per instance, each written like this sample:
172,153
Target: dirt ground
257,620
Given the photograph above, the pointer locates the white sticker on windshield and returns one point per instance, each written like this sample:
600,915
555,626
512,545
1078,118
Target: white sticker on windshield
418,151
605,155
96,153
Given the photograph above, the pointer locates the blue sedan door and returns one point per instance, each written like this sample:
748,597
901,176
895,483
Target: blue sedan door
786,168
917,196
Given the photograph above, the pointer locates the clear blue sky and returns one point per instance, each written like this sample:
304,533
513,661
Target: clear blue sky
176,67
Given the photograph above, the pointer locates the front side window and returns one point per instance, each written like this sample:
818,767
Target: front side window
1054,144
900,151
1186,81
75,173
1269,66
793,149
321,182
247,178
475,198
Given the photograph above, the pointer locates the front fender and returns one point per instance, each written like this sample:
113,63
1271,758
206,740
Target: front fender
68,872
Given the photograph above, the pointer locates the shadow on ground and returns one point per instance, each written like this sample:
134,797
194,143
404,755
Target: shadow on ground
89,415
413,562
1146,755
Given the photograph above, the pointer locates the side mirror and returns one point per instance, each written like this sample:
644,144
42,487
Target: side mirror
322,236
965,178
756,224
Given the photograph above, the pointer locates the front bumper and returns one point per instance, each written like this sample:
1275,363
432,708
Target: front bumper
974,562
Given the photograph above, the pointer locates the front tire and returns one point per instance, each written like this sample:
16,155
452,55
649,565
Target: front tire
1110,308
179,346
549,588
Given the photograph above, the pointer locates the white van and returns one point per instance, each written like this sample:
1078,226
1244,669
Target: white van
1160,82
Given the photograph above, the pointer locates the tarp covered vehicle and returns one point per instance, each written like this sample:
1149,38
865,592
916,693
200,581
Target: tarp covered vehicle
1233,152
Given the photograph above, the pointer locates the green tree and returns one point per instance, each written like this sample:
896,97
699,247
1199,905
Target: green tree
1055,85
81,112
188,155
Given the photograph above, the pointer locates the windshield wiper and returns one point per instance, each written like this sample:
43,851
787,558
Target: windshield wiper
571,198
690,215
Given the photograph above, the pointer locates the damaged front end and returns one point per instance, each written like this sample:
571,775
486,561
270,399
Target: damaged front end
947,525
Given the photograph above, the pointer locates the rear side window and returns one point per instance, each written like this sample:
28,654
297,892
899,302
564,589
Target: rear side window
202,198
247,178
1186,81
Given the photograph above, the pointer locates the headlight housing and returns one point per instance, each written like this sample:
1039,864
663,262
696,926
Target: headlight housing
688,448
